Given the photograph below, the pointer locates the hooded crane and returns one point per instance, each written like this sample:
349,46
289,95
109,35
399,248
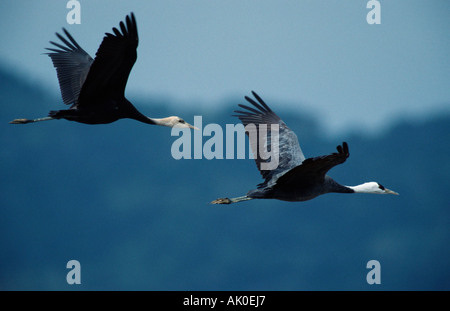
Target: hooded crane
295,178
95,88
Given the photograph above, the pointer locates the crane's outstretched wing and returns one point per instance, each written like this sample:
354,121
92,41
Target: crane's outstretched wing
313,170
113,62
72,65
288,149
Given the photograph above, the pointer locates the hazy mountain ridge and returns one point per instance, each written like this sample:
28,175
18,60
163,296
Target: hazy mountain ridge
112,197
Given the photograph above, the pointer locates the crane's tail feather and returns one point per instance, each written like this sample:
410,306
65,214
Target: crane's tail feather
232,200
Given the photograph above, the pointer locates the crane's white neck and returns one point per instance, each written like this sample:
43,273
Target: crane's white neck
163,121
368,187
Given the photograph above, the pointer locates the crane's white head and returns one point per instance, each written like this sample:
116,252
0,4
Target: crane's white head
372,187
174,122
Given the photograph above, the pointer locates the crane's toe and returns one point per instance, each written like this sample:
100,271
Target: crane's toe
20,121
221,201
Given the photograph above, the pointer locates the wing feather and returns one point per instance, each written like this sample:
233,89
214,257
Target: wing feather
313,170
72,65
113,62
289,152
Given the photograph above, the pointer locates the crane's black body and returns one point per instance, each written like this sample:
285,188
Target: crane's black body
95,88
298,188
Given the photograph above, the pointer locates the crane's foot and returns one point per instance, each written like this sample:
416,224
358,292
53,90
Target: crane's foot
20,121
222,201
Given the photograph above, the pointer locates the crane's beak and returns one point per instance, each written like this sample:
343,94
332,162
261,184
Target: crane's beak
192,127
388,191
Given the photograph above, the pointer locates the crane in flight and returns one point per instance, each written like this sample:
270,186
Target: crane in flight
95,88
295,178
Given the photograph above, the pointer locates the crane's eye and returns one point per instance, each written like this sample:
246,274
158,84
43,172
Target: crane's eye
381,187
181,121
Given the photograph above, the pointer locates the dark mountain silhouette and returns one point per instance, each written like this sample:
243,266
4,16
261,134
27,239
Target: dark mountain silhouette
113,198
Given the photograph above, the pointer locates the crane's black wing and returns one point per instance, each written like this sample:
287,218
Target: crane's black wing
72,65
112,64
287,150
313,170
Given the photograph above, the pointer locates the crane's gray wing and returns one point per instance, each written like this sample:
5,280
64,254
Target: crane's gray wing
72,65
313,170
113,62
288,149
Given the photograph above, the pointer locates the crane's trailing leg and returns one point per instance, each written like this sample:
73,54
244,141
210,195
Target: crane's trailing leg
232,200
24,121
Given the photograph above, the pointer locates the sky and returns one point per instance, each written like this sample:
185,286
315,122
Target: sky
315,56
